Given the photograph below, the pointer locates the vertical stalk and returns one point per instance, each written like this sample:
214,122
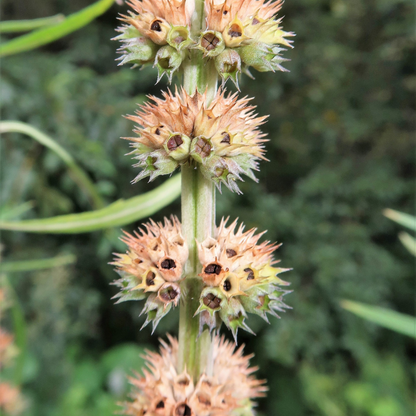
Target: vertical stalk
198,219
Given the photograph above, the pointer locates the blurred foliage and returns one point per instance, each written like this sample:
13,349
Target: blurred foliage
341,145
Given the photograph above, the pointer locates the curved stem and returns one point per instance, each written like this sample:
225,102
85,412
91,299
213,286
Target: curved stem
75,171
198,219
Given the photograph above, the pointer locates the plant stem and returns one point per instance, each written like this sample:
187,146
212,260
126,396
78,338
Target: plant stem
198,219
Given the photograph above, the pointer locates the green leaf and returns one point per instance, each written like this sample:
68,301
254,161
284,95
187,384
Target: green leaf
11,26
117,214
30,265
401,218
396,321
408,241
9,212
76,172
49,34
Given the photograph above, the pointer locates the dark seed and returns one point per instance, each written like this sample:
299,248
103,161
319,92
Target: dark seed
156,26
157,131
227,286
213,269
209,41
160,405
255,21
138,261
169,295
203,147
230,252
183,410
235,31
150,279
211,301
225,12
250,273
174,142
226,138
168,264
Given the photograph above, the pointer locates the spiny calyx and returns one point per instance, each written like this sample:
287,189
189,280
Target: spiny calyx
152,268
240,277
248,28
164,391
223,137
156,32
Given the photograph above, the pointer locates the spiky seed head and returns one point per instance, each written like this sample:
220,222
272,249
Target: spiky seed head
151,25
152,267
223,137
163,391
240,276
244,23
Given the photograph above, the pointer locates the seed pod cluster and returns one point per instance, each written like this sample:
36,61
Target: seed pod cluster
156,32
152,268
239,34
240,277
242,34
163,391
223,137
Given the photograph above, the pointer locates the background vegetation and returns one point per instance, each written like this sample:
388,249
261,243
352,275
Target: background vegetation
341,149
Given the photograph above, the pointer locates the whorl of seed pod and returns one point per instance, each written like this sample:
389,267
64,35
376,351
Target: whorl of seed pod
242,34
156,32
152,268
240,277
163,391
223,137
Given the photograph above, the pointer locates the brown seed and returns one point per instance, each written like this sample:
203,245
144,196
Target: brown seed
178,40
230,252
150,279
227,285
138,261
160,405
168,264
174,142
250,273
255,21
212,301
235,31
213,269
156,26
183,410
169,294
225,12
226,138
203,147
157,131
209,41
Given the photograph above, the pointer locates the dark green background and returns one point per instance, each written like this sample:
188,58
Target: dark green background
341,132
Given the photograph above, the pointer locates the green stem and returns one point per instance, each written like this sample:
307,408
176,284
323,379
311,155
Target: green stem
10,26
198,220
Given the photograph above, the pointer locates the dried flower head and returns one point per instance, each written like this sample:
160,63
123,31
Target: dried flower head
152,268
240,276
163,391
156,32
224,137
251,28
